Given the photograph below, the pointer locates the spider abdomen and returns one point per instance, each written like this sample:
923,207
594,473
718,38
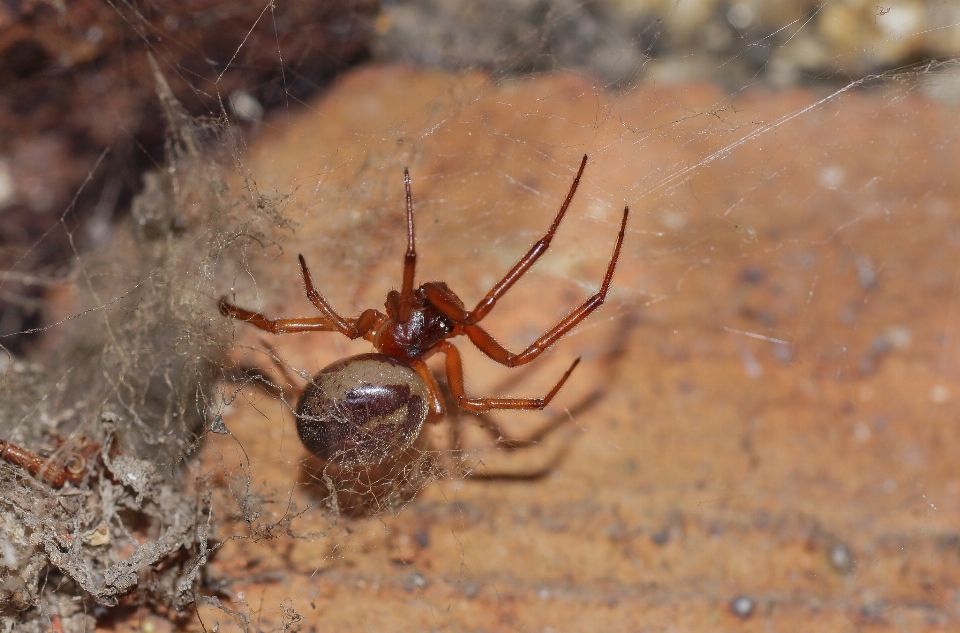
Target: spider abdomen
362,409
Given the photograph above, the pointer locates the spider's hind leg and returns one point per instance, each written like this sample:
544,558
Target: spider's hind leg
534,454
454,368
293,389
287,390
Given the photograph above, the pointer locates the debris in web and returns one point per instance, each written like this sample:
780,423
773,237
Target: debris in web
111,511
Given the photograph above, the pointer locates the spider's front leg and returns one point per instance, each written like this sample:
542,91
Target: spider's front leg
520,268
276,326
331,321
453,308
445,301
351,328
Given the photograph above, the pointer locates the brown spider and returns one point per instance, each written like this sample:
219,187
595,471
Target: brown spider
364,409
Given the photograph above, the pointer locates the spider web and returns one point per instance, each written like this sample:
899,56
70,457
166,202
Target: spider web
761,426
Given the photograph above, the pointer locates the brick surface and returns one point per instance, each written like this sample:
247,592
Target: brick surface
778,357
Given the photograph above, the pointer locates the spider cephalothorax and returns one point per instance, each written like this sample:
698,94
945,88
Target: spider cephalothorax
424,329
363,409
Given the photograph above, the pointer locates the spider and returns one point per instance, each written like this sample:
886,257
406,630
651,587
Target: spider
364,409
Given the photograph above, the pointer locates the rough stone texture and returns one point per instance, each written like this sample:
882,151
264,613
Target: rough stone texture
776,424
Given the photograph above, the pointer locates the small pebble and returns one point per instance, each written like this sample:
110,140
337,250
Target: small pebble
841,558
752,275
831,177
660,537
742,606
415,581
939,394
422,537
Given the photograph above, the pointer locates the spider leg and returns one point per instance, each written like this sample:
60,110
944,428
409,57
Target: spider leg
276,326
486,343
409,260
455,378
538,249
535,454
436,402
281,366
342,325
446,301
264,379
